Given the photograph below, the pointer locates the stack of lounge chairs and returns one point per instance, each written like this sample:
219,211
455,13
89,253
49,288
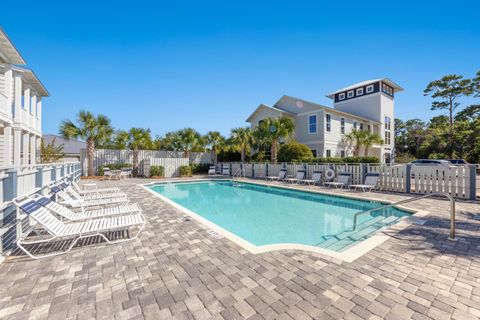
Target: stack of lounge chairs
77,214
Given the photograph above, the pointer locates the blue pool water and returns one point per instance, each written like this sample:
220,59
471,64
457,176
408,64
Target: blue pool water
265,215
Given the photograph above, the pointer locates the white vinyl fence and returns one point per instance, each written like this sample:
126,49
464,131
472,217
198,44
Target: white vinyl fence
170,160
21,181
459,181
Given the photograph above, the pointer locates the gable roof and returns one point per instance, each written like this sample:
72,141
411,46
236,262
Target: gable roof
32,79
328,109
264,106
395,86
8,52
69,146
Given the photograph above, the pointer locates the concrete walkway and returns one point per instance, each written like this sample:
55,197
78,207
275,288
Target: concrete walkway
176,270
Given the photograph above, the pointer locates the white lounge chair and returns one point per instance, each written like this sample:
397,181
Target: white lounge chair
298,178
281,175
93,190
212,171
91,196
369,184
70,215
225,171
343,180
59,230
316,178
65,198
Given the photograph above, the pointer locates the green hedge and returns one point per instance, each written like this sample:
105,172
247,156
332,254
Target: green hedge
185,171
340,160
293,150
157,171
200,168
113,166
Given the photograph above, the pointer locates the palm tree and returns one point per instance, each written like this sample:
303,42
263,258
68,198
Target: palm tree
273,131
358,139
138,139
371,139
93,129
215,141
49,152
242,138
189,140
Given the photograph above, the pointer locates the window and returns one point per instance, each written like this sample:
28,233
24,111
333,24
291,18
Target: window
350,94
328,122
369,127
328,153
387,89
355,125
370,88
361,126
359,91
342,125
314,152
341,96
312,123
342,154
388,132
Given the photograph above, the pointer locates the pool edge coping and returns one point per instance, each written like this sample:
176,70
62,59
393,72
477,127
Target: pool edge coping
349,255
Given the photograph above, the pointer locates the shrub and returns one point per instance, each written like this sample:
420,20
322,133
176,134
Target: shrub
199,167
340,160
157,171
361,160
113,166
185,171
260,156
229,156
293,151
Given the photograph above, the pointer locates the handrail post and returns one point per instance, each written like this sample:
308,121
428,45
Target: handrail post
452,219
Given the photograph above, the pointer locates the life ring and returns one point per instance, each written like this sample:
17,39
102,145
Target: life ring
329,174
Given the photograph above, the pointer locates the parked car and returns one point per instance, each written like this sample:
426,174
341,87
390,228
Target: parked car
430,162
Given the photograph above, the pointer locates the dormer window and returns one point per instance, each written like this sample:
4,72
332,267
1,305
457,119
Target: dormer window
350,94
341,96
370,88
359,91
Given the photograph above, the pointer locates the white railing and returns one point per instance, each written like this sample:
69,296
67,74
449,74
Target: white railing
21,181
458,181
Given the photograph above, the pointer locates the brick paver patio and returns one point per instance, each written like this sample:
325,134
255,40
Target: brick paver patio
176,270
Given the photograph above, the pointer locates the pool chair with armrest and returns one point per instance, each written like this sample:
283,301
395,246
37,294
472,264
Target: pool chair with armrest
281,175
70,215
370,183
298,178
212,171
225,171
74,231
65,198
93,190
91,196
316,178
343,179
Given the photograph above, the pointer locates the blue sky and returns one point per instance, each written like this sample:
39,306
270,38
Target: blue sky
208,64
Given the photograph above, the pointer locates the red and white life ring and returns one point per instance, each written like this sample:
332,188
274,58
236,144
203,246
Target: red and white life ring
329,174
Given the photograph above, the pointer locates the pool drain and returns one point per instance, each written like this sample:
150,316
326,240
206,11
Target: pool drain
183,219
214,234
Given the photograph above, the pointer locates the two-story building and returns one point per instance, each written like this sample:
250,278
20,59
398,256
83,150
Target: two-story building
368,105
21,94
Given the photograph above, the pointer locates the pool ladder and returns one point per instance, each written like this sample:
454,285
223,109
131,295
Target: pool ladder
452,209
239,173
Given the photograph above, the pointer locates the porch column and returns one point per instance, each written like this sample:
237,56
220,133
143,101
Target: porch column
7,144
26,100
18,97
38,114
17,143
8,83
25,148
38,153
33,149
33,111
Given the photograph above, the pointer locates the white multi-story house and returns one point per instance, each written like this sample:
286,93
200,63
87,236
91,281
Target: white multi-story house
368,105
21,94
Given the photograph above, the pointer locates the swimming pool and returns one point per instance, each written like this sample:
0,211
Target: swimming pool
266,215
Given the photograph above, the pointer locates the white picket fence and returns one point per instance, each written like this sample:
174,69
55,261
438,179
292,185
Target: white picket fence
170,160
459,181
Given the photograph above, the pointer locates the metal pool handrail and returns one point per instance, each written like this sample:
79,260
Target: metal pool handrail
452,209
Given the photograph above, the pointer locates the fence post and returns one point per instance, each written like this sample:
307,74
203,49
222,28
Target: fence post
473,181
39,179
408,177
10,185
266,169
54,174
363,171
253,170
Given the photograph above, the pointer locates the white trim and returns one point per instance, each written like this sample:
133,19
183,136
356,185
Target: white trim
316,123
357,90
351,94
341,96
369,88
348,255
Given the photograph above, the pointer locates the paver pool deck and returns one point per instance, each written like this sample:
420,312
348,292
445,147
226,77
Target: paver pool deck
176,270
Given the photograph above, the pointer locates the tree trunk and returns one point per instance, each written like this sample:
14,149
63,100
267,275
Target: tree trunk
90,155
366,150
135,163
273,151
243,154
